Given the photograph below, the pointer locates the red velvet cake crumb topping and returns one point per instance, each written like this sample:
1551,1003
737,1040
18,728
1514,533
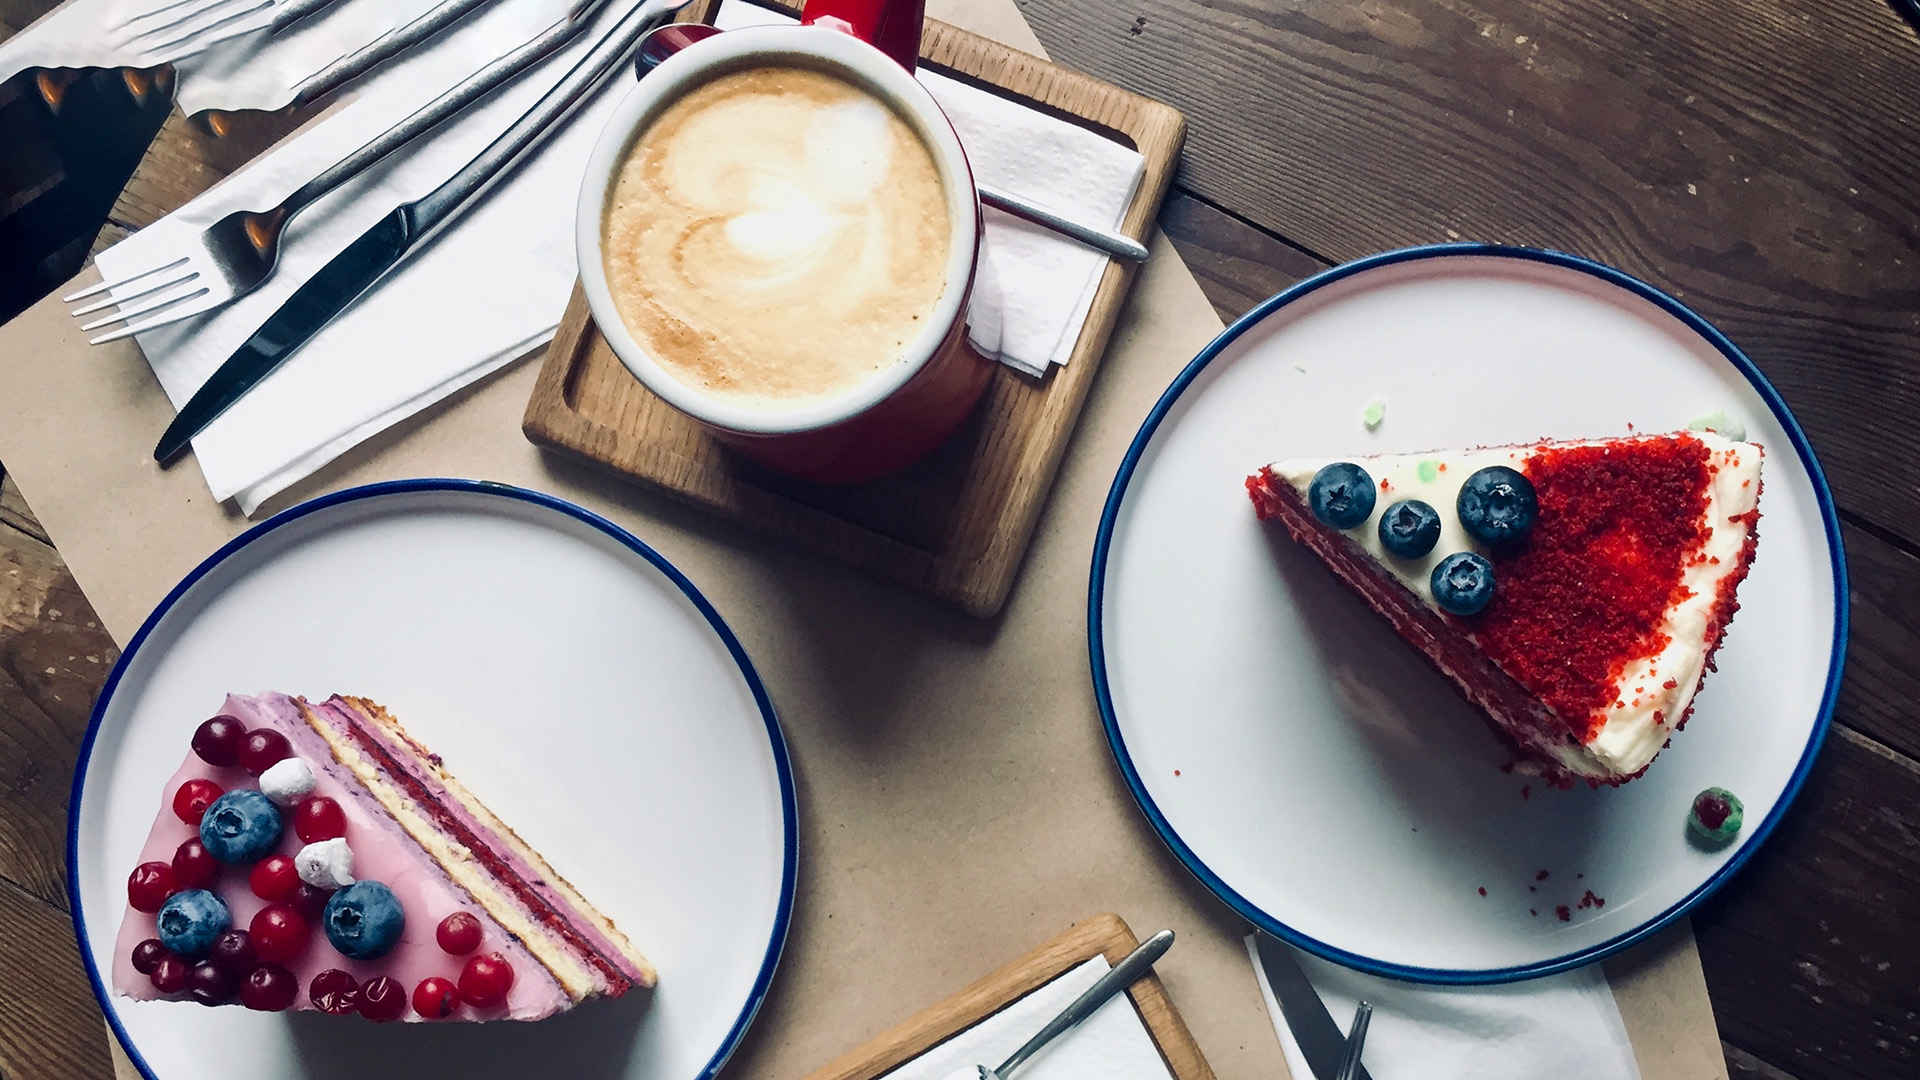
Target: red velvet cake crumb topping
1587,592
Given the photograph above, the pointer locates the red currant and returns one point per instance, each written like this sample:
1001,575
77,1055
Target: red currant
169,974
269,988
318,818
310,901
193,798
435,998
485,980
279,933
233,952
149,886
262,748
210,984
217,741
458,933
274,879
383,999
334,991
147,954
193,867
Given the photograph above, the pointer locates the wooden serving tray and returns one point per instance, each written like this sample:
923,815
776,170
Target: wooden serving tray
955,525
1103,935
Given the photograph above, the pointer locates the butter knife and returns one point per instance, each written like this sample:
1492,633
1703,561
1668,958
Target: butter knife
1319,1037
387,243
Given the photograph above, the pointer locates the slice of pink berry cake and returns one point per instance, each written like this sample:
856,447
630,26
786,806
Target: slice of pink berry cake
318,857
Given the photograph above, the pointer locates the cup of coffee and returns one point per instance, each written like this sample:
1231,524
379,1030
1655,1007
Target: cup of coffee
778,235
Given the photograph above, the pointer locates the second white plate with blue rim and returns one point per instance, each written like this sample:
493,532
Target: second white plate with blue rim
1302,760
568,674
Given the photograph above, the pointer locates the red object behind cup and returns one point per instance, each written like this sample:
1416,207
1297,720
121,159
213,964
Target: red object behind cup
864,439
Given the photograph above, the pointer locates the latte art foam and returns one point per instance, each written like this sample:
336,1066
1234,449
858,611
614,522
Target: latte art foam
776,236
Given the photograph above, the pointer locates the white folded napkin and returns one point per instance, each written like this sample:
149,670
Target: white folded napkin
493,287
1564,1026
1112,1044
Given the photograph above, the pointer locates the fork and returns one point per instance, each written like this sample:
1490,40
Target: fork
195,25
232,256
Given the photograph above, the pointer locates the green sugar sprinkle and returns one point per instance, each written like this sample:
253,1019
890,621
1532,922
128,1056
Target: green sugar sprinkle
1376,412
1720,423
1429,471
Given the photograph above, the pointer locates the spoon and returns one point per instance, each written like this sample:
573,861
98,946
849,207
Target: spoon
1123,975
664,41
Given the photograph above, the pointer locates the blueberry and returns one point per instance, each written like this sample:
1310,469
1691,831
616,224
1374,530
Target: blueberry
364,920
240,827
190,921
1341,495
1409,528
1462,583
1497,506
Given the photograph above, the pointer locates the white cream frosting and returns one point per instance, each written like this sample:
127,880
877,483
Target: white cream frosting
1638,724
325,864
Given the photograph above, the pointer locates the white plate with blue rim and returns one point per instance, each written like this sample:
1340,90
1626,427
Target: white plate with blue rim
568,674
1304,762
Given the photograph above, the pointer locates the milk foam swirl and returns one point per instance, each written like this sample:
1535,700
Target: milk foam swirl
777,235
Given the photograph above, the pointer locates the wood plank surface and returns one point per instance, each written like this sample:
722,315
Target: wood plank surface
53,657
1759,160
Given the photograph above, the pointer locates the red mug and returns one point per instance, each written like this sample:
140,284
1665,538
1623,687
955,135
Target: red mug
909,407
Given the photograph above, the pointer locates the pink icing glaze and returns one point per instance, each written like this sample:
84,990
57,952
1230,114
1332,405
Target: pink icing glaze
381,852
342,717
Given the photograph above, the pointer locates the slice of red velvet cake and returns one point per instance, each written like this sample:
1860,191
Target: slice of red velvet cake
317,857
1574,591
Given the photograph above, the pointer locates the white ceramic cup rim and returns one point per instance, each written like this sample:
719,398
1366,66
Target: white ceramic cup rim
695,64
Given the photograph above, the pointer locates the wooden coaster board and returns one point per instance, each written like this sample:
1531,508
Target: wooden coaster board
1103,935
957,524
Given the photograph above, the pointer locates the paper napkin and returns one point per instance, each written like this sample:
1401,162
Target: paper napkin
1565,1026
1112,1044
493,287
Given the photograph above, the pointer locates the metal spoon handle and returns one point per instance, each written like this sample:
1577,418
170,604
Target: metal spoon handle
1123,975
381,49
1113,243
443,203
1356,1041
447,105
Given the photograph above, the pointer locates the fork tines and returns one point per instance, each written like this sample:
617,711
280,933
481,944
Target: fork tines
176,286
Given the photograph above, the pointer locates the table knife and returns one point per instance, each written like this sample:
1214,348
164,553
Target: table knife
387,243
1313,1027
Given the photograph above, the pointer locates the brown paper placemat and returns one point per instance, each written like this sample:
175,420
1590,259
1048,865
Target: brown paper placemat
958,800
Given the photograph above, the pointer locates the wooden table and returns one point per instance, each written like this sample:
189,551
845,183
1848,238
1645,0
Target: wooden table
1760,161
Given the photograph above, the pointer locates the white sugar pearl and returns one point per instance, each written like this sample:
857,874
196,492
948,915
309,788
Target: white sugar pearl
327,864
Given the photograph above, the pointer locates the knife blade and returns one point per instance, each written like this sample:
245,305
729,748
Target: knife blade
367,260
1314,1030
302,315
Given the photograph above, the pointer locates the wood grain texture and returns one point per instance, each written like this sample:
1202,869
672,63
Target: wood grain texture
1103,935
1812,953
1760,161
1236,264
53,657
955,525
50,1025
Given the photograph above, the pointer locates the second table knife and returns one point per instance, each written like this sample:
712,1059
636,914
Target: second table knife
387,243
